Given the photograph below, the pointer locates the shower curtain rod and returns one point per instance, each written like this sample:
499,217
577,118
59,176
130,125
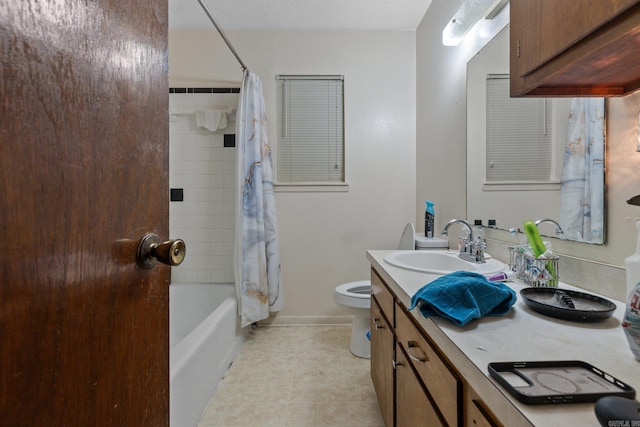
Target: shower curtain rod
224,37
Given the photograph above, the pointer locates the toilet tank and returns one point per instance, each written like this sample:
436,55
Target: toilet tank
423,243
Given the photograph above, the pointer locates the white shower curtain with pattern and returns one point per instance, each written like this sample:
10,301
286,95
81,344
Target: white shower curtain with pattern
257,256
582,188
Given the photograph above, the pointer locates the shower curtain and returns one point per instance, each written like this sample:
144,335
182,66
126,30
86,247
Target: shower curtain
256,255
581,192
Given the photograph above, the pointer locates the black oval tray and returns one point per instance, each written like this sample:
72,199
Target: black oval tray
568,305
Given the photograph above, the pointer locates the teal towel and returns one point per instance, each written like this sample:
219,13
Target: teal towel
463,296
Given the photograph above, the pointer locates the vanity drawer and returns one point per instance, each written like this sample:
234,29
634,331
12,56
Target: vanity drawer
476,413
442,384
383,297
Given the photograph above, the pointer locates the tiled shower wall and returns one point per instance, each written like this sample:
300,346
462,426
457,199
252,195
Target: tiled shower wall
204,169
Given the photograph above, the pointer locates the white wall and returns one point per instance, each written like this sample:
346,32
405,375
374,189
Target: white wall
441,118
324,236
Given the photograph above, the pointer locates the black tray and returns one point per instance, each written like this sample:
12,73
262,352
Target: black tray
567,304
567,381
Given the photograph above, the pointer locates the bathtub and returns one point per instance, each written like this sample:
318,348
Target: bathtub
204,336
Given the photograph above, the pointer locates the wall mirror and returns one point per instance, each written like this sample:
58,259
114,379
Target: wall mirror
512,178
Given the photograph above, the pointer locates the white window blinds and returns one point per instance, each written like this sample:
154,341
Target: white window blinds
519,135
310,142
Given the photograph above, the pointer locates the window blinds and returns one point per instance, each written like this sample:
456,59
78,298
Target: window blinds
310,142
519,135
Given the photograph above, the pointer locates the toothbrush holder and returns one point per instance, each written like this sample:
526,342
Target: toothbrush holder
542,271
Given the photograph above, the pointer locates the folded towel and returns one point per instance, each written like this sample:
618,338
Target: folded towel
463,296
211,119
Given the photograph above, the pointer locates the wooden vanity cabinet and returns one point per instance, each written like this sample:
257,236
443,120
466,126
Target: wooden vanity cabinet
575,48
414,383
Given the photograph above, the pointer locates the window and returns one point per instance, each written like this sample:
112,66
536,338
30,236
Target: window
519,135
310,130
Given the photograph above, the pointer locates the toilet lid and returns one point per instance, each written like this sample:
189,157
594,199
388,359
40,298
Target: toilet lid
407,241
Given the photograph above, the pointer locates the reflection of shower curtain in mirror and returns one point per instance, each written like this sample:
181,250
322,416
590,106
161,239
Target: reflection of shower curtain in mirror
257,257
582,189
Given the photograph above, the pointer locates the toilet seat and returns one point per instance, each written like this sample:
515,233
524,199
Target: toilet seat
354,294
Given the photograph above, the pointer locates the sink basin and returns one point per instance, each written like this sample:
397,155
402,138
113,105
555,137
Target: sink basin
441,262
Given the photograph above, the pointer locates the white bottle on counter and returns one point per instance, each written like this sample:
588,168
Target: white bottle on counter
631,321
632,265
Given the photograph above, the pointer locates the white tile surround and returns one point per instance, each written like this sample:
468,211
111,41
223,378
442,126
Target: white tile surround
205,170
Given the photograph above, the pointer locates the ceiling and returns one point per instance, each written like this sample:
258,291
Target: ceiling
299,14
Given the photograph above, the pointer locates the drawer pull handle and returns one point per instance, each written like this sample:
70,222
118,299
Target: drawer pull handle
378,326
396,364
423,358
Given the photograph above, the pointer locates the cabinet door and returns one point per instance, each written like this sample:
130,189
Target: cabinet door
382,349
443,385
413,407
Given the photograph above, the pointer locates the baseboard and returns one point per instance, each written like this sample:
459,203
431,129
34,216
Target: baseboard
280,320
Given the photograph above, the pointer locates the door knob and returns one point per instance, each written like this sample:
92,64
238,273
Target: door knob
152,250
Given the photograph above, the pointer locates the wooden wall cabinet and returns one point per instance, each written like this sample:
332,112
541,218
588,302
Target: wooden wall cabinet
575,48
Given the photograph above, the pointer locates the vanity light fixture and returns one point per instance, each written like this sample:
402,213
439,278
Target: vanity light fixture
467,16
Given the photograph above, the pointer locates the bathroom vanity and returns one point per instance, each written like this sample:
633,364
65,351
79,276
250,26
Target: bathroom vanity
428,371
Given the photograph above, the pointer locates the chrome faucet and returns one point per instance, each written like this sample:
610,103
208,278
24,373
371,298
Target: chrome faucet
559,231
471,249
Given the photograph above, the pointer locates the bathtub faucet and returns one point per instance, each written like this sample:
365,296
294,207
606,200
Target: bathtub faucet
471,249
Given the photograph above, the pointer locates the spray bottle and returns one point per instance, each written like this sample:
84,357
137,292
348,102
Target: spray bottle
429,218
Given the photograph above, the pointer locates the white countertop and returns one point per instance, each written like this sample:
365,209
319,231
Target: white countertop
521,335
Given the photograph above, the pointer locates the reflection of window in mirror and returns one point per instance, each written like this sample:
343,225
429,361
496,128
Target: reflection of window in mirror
519,135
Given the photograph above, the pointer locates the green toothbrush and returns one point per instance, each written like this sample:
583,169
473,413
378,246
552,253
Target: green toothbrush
537,246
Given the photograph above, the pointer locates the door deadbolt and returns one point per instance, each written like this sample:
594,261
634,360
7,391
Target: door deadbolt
152,250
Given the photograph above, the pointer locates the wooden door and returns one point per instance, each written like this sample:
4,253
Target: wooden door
84,175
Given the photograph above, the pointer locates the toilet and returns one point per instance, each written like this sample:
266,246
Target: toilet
355,297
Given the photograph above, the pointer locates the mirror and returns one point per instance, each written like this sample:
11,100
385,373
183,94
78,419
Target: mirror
571,191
